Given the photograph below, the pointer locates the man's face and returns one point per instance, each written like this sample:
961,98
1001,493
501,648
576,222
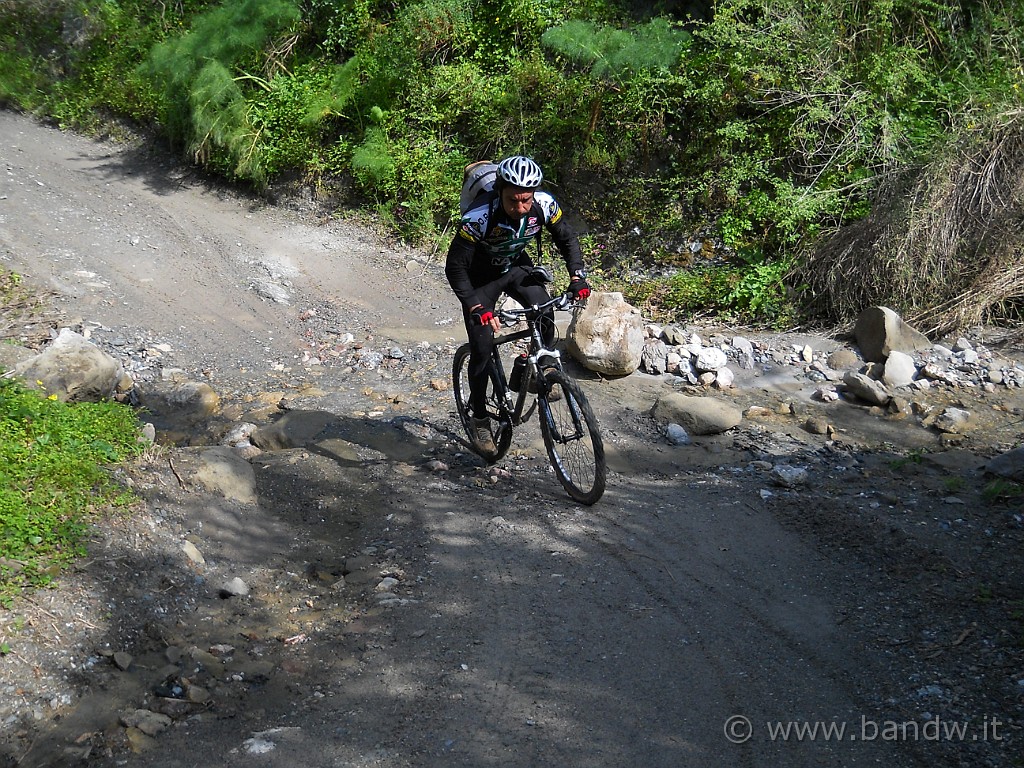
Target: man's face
516,201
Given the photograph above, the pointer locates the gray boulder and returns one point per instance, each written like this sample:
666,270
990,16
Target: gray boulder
223,471
843,359
710,359
879,331
73,368
675,335
1009,465
697,415
899,370
744,352
867,389
953,420
654,357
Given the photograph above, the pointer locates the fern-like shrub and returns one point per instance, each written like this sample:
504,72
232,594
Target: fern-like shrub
201,76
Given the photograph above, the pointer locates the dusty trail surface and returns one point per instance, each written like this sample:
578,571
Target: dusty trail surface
412,607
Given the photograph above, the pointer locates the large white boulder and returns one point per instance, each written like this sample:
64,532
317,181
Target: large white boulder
607,335
879,331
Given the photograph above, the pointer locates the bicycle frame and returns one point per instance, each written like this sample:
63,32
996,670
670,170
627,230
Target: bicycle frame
569,430
515,402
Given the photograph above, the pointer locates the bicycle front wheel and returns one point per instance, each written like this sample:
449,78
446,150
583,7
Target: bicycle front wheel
501,425
572,438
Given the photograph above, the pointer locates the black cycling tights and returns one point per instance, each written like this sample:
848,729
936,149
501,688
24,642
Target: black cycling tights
527,290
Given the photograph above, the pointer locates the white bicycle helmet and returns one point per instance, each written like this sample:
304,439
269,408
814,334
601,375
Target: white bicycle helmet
520,171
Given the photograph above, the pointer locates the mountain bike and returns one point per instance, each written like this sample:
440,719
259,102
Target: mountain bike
567,423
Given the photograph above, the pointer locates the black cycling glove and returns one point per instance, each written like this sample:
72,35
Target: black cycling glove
579,288
482,316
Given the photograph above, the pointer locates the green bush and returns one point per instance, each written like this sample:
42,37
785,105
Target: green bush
763,126
342,24
53,477
20,81
202,78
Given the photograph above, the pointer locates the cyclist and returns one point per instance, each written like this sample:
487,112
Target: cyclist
488,257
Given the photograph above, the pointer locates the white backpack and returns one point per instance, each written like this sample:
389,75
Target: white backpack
477,179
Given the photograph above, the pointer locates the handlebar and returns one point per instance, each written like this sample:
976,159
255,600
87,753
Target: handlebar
512,316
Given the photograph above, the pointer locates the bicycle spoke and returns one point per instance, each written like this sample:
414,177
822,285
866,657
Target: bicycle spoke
501,425
572,439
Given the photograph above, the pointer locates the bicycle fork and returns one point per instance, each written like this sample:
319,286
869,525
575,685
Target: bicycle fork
570,401
577,423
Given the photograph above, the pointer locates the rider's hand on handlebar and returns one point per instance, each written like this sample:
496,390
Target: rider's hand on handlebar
485,317
579,288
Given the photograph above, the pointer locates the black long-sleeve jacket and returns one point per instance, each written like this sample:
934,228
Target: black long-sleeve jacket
489,243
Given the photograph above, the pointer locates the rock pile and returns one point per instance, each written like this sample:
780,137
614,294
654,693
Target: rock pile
906,378
671,349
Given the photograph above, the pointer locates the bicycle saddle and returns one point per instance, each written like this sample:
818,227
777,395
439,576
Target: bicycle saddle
542,274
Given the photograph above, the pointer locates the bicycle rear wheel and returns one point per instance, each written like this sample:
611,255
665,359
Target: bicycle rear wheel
572,439
501,425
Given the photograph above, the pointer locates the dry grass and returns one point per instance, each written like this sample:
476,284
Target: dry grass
945,248
26,313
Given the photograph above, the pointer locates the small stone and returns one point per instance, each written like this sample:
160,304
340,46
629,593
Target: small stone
197,695
954,420
816,425
724,378
962,345
192,553
789,477
256,746
174,708
149,722
843,359
138,741
122,660
826,394
234,588
757,412
677,435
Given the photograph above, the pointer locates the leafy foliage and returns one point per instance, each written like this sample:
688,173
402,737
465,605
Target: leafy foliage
52,476
615,53
763,126
198,75
19,80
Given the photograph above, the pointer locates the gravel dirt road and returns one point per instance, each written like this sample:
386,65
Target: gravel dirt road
688,619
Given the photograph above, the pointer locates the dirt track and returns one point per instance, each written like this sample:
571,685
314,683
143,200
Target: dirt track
528,631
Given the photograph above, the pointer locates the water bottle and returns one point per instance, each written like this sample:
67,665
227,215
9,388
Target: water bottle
515,379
